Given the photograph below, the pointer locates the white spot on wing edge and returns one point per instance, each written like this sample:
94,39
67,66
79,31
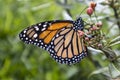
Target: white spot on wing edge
36,28
44,25
24,31
23,35
39,24
35,35
43,29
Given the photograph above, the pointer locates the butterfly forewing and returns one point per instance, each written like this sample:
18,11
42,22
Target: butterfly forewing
59,38
43,31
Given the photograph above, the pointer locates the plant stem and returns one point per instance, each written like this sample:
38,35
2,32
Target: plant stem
115,9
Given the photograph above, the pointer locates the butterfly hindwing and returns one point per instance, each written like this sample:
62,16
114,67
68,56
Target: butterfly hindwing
67,46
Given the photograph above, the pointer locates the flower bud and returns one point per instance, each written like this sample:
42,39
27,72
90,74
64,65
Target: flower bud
99,45
91,29
95,28
81,33
89,11
99,24
86,38
93,5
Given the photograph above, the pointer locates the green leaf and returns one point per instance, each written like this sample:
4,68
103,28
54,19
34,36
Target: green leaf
118,42
48,76
115,41
5,67
114,72
72,71
101,70
42,6
117,64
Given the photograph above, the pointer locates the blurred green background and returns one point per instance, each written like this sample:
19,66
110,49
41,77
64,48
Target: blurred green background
19,61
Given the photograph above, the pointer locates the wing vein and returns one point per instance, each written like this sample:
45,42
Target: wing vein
77,43
72,44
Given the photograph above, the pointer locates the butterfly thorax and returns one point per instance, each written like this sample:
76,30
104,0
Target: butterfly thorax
78,24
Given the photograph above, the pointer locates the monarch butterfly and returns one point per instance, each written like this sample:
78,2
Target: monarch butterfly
59,37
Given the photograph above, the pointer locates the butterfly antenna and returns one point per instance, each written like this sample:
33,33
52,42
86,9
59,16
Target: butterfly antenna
82,11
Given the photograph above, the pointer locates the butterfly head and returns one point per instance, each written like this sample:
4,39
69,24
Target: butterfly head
79,24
